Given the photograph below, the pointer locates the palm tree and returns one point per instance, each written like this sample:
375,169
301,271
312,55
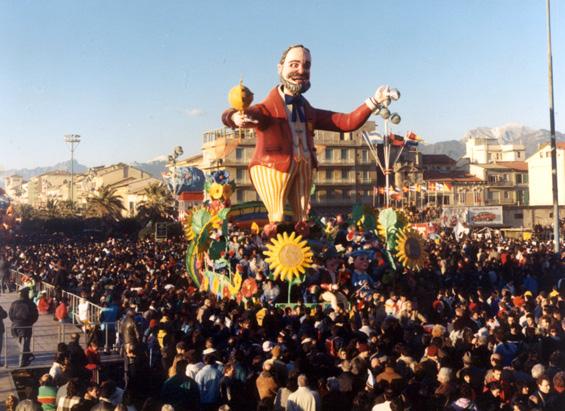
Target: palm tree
159,203
105,204
50,209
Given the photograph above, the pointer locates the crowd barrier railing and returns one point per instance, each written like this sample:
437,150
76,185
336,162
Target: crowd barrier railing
92,313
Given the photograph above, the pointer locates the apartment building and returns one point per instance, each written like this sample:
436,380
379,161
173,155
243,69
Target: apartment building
345,176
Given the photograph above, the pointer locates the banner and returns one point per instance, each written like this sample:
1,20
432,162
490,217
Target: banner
485,216
451,216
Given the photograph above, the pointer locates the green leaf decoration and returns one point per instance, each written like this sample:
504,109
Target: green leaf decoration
357,212
223,213
199,219
387,218
215,250
191,263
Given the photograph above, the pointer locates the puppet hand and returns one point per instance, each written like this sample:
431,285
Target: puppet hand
241,119
385,94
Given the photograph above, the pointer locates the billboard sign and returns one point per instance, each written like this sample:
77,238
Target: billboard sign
485,216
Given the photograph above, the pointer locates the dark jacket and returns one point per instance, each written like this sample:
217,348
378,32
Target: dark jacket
23,313
3,314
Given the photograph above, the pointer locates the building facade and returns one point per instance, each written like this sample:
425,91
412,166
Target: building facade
539,171
345,176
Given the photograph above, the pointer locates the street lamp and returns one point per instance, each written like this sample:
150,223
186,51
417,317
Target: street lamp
386,165
552,136
73,140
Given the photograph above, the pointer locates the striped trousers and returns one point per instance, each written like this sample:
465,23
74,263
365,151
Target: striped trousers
276,187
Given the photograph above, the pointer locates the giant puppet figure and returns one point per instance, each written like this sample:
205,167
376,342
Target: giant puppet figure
282,166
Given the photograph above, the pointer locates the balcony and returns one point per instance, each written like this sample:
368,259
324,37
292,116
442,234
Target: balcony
334,181
501,183
335,141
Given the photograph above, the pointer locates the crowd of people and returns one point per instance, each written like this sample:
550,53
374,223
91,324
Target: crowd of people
480,327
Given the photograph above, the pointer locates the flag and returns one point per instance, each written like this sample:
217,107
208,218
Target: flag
413,188
373,137
396,140
439,187
404,189
418,188
423,187
412,139
381,190
431,186
447,186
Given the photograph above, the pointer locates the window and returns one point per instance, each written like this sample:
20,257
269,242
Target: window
344,174
240,174
518,216
506,195
329,175
494,195
343,155
462,197
329,154
239,153
364,156
240,195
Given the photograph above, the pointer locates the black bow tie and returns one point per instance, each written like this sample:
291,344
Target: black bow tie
297,106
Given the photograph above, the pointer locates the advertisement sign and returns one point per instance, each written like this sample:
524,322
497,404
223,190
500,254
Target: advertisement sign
451,216
485,216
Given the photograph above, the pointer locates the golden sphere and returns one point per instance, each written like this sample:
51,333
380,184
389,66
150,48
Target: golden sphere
240,97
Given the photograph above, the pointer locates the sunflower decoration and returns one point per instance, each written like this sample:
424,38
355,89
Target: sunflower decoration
410,248
288,256
216,191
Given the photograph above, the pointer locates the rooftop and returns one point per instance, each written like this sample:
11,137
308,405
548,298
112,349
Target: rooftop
506,165
452,176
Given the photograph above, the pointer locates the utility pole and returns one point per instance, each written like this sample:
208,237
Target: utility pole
552,135
73,140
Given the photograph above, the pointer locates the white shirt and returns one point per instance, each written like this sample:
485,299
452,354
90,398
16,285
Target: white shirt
303,399
192,369
384,406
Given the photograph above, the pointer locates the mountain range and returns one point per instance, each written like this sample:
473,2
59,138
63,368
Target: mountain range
506,134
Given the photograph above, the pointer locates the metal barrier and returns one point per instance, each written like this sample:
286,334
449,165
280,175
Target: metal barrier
45,337
93,311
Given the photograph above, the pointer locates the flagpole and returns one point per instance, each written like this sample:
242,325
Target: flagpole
386,150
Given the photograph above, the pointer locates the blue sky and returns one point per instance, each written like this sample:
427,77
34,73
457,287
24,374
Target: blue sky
137,78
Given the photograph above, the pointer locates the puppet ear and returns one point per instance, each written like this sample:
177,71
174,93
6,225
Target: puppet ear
279,68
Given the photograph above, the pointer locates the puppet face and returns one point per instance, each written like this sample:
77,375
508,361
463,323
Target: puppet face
294,72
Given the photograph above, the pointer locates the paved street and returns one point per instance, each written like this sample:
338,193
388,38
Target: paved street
46,334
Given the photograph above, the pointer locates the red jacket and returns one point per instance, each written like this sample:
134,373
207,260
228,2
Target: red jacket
274,139
61,312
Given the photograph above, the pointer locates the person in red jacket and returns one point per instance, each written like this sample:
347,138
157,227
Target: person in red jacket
62,312
285,155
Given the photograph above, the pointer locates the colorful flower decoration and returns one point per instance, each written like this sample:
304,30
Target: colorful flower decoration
288,256
216,191
410,248
249,287
221,176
